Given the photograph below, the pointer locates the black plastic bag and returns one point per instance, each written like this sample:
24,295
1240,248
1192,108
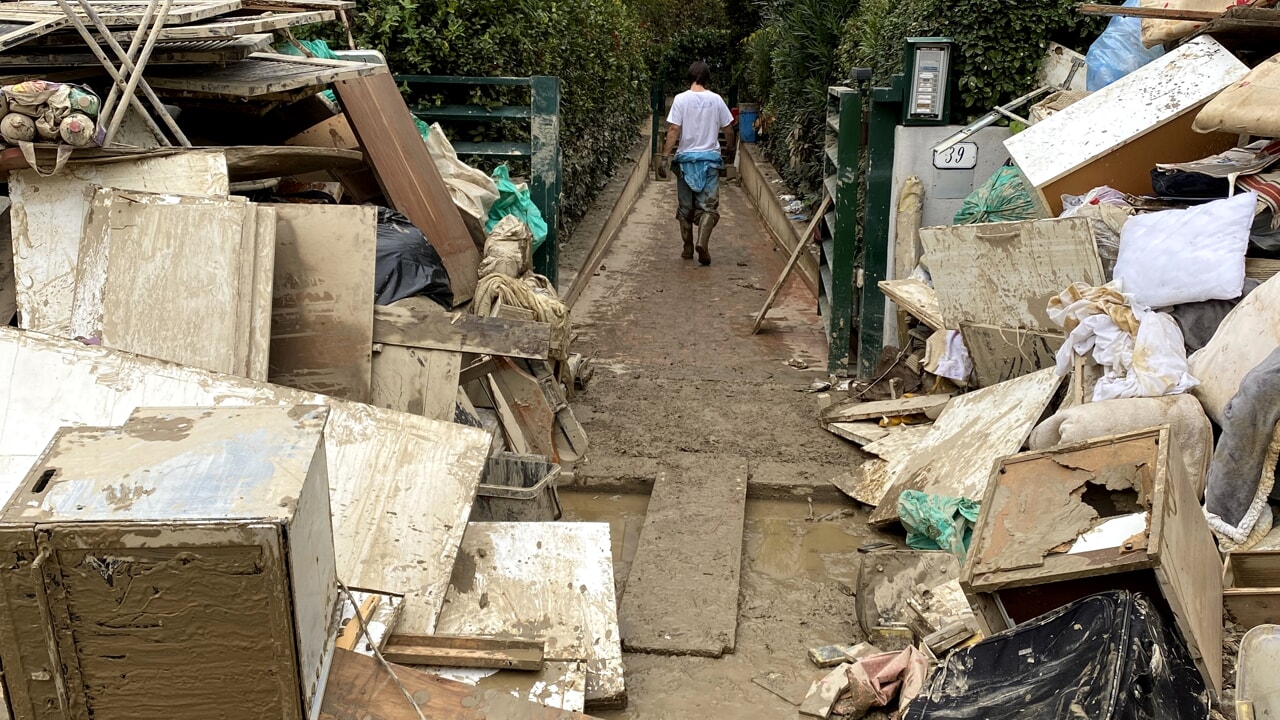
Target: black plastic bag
407,265
1110,656
1181,184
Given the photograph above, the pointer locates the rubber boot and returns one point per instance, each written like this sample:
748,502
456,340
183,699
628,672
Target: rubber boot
704,239
686,232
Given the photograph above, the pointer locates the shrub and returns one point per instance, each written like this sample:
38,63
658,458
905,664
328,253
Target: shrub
595,47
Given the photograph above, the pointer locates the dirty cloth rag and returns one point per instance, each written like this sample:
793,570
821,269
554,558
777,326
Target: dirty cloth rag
876,679
1242,471
533,293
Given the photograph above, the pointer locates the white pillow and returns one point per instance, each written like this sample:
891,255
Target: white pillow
1183,256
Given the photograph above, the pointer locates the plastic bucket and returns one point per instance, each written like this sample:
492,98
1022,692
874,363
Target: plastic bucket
747,114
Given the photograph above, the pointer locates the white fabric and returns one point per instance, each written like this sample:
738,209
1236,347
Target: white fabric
955,364
1184,256
700,116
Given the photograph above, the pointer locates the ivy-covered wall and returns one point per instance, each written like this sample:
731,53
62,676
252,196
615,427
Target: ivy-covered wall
595,47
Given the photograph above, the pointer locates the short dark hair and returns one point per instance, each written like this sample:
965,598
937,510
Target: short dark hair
700,73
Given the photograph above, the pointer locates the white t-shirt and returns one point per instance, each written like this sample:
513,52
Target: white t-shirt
700,116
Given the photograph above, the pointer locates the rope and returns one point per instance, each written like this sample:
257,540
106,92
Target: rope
364,630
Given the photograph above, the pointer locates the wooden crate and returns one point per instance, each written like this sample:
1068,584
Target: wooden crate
1251,587
1038,503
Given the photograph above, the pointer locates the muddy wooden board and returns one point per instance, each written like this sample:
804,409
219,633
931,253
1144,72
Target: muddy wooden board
322,307
465,651
869,482
427,325
380,462
361,688
416,380
261,23
550,581
261,74
916,297
957,455
849,410
682,594
860,433
1004,274
408,175
15,33
140,289
1001,354
222,50
49,215
119,12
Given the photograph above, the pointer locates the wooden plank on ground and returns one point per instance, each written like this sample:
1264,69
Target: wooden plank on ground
682,595
956,457
140,289
850,410
1004,274
49,216
465,651
400,485
416,380
916,297
408,175
361,688
322,310
1001,354
439,329
860,432
547,581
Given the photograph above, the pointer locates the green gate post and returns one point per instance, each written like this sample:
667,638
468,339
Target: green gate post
657,103
842,186
544,173
886,107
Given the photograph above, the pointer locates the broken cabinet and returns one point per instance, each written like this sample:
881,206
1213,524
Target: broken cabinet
1113,513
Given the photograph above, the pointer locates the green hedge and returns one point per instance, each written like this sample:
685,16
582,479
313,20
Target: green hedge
595,47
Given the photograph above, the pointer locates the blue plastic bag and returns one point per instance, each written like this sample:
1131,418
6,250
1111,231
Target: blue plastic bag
1118,51
513,200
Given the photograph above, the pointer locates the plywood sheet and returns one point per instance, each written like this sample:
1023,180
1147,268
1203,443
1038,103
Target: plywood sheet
869,482
260,74
549,581
1004,274
235,26
401,486
427,325
17,32
322,306
140,289
416,380
915,297
1001,354
119,12
681,597
1169,86
49,216
956,457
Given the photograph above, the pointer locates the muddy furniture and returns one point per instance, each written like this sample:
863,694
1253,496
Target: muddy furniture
179,566
1027,556
1251,587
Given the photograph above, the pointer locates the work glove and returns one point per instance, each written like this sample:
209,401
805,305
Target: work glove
664,166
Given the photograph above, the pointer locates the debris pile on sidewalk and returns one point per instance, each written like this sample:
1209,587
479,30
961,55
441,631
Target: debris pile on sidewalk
1080,433
276,399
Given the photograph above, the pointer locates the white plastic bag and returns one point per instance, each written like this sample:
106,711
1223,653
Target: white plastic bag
1183,256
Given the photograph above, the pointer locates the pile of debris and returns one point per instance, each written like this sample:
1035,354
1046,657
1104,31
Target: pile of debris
1080,430
287,373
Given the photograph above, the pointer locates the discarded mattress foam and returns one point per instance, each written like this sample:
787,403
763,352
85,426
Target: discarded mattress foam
1187,423
1158,32
1243,469
1246,107
1245,338
1184,256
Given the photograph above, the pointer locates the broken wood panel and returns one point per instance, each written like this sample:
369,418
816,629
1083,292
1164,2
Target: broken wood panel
850,410
1261,268
408,175
527,417
1004,274
559,684
380,461
260,74
859,433
547,581
137,280
49,216
692,539
15,33
417,381
235,26
956,457
361,688
256,162
322,307
439,329
869,482
465,651
1001,353
916,297
208,52
119,12
335,132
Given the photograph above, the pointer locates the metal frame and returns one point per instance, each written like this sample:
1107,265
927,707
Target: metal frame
837,267
543,148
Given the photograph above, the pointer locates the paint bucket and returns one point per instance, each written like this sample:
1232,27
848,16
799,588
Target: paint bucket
747,114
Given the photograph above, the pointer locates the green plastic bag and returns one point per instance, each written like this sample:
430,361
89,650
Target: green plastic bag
514,200
1002,198
937,522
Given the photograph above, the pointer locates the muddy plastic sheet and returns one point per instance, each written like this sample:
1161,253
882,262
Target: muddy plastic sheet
1110,656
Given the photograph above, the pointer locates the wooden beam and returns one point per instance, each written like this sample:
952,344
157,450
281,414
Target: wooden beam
468,652
460,332
851,410
1149,12
801,245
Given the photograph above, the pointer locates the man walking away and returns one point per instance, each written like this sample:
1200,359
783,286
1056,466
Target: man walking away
695,120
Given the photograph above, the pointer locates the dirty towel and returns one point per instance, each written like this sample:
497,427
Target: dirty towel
700,170
874,681
953,362
508,250
937,522
533,293
1242,471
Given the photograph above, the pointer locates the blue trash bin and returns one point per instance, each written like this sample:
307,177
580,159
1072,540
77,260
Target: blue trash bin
747,114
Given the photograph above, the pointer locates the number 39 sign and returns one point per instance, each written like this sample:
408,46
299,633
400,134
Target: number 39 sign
961,156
